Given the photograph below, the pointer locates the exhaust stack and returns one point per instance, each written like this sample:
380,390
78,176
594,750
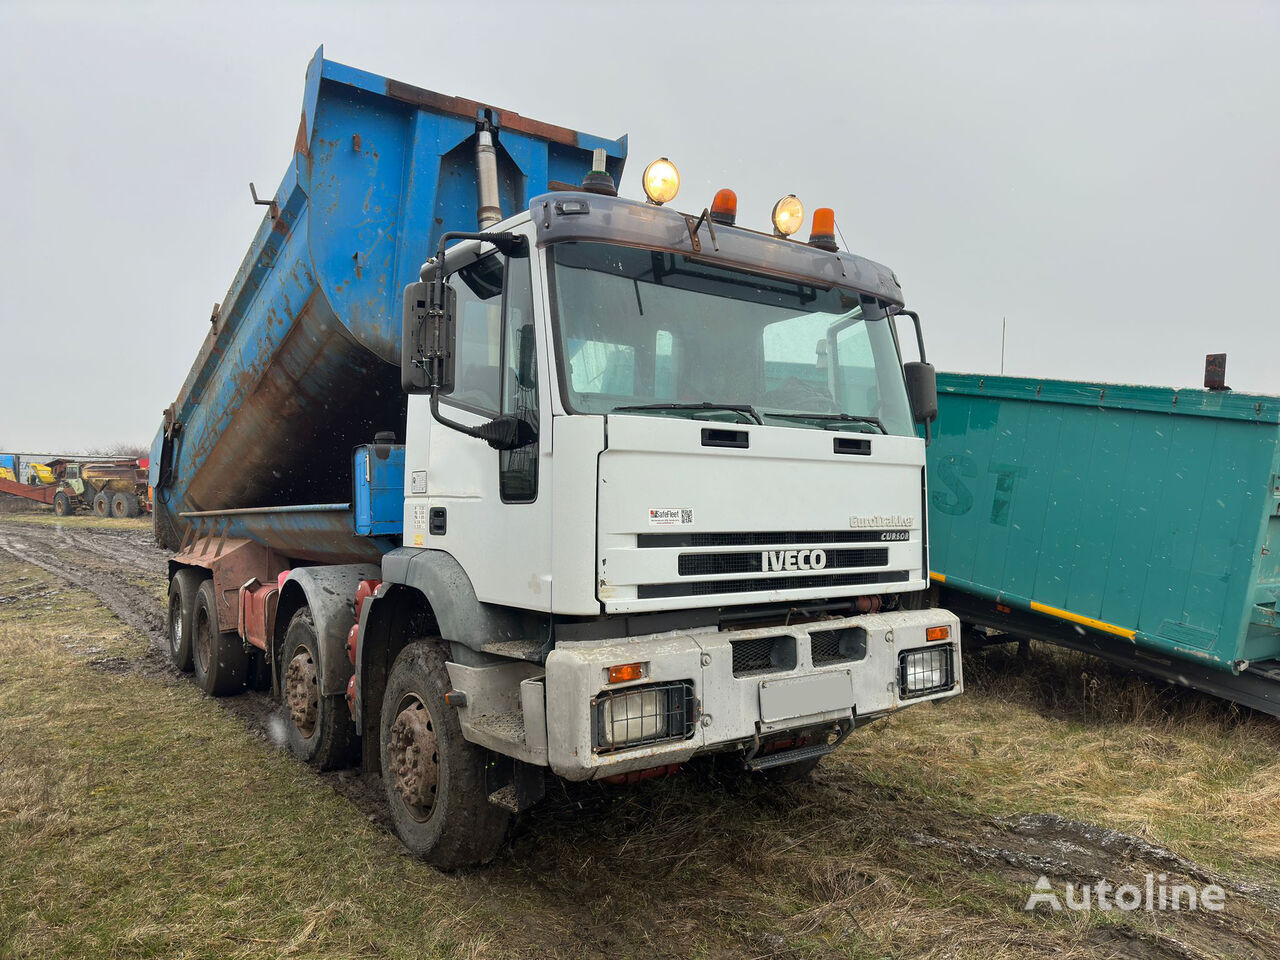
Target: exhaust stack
490,211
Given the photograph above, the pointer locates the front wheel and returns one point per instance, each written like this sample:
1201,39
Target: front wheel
62,505
435,779
318,728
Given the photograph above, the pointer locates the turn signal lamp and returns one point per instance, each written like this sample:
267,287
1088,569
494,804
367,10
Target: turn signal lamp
661,181
823,234
724,208
626,671
788,215
938,633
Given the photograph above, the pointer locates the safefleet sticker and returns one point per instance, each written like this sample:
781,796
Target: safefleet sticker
670,516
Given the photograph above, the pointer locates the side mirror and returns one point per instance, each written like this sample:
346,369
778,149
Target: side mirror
427,342
922,391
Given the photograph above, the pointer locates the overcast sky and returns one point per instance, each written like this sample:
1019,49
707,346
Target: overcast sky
1103,175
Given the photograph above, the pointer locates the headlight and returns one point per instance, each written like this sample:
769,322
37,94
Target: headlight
788,215
639,715
924,671
661,181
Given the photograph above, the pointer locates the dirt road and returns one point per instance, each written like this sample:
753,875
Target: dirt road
864,838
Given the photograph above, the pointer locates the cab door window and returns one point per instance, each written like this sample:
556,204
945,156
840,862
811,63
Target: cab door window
518,469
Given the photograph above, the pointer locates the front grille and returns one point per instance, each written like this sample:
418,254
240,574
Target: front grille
751,538
837,646
702,588
711,564
635,716
763,655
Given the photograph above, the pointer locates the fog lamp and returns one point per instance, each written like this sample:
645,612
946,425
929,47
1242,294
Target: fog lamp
661,181
639,715
928,670
788,215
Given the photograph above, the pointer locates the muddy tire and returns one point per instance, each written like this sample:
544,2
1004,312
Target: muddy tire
318,728
124,505
182,614
102,504
62,505
218,659
435,780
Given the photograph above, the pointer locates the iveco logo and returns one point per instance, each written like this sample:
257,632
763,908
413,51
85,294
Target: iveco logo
793,560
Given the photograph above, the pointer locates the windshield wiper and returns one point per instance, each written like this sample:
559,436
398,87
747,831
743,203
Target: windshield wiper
833,418
744,409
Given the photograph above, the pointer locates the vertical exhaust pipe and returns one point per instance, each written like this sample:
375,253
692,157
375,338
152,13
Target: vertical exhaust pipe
490,211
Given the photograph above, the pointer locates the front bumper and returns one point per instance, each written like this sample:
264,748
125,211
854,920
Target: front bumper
720,689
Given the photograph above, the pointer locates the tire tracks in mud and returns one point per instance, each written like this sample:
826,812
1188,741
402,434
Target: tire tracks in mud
127,601
106,563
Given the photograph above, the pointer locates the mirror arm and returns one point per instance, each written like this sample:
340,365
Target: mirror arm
915,318
502,433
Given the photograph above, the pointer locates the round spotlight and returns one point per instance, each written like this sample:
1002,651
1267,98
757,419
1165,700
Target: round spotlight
661,181
788,215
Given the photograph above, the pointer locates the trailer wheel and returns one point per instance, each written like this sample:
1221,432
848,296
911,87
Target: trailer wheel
101,504
435,779
220,663
182,614
124,505
319,728
62,505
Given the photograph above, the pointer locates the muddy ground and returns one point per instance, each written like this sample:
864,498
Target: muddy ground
126,572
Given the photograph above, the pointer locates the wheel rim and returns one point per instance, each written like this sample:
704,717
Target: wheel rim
202,645
175,625
414,756
302,692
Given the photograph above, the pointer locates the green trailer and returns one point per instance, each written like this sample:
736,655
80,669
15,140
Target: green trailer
1141,524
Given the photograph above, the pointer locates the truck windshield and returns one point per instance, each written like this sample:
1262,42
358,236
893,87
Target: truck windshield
684,337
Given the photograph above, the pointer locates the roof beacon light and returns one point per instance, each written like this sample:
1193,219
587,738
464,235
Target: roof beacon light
788,215
598,180
823,234
661,181
724,208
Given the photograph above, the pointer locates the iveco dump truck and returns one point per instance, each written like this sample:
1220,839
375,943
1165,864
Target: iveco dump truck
494,476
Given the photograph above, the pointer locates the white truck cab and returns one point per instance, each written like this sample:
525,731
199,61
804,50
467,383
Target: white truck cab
664,497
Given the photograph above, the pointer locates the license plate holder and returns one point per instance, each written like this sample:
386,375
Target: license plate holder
794,697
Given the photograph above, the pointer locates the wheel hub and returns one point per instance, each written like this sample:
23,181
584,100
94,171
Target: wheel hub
302,692
415,759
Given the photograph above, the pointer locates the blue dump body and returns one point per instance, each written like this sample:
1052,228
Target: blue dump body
302,362
1146,517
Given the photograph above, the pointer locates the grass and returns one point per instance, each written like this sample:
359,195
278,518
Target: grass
141,819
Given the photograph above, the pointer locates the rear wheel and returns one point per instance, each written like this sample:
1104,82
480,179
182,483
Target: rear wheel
182,611
435,779
62,505
220,663
102,504
319,728
124,505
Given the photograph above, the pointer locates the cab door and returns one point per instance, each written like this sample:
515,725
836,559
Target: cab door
490,509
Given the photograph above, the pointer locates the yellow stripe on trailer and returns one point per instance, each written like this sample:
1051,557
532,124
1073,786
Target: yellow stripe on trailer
1083,621
940,577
